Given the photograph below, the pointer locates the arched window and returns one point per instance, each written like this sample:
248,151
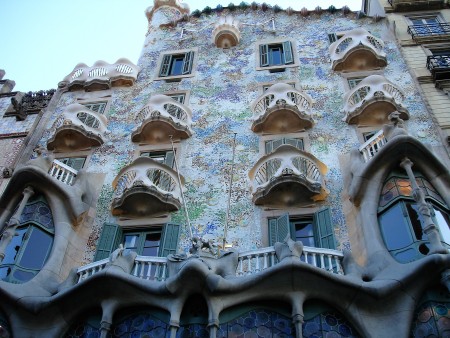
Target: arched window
30,247
401,223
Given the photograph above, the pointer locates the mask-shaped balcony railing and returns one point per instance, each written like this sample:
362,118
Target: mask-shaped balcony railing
282,108
226,32
357,50
414,5
101,75
78,128
439,66
288,177
62,172
373,145
161,118
430,32
146,188
372,100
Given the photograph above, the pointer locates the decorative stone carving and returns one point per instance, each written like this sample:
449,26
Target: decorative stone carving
288,249
226,32
122,259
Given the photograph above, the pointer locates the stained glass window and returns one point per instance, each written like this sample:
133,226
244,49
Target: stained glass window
141,325
432,320
328,324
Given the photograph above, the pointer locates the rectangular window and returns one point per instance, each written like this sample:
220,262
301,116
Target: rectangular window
166,157
76,163
277,54
176,64
144,243
272,145
98,107
427,25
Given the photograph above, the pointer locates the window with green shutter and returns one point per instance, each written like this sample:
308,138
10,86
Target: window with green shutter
276,54
176,64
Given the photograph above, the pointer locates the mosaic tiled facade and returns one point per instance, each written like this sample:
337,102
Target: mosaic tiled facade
109,220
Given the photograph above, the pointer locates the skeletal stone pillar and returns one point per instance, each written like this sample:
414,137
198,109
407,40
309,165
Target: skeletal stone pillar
11,227
213,326
173,328
297,320
430,228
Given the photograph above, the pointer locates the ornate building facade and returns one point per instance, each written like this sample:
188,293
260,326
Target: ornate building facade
258,173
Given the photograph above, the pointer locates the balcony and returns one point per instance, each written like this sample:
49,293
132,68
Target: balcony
288,177
146,188
249,263
439,66
415,5
372,100
78,128
161,118
226,32
101,76
356,51
372,146
281,109
428,33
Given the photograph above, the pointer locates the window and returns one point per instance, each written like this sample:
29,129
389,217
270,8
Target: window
312,230
276,54
272,145
361,93
426,25
400,222
166,157
30,247
334,37
180,97
176,64
76,163
98,107
88,119
153,241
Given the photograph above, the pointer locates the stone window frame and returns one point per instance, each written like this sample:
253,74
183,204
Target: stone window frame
176,78
269,137
275,41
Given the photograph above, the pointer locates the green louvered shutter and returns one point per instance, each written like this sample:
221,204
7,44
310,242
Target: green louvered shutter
187,64
264,55
165,66
109,241
287,50
279,228
323,229
169,239
169,160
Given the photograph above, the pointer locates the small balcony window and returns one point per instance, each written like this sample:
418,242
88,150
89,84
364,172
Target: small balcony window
276,54
166,157
176,64
98,107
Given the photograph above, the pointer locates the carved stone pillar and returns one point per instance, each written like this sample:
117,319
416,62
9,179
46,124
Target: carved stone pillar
104,329
430,228
213,326
297,320
173,328
11,227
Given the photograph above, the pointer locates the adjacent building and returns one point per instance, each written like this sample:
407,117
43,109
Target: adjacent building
260,172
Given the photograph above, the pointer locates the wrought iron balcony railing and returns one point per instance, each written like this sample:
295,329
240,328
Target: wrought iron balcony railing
436,31
439,66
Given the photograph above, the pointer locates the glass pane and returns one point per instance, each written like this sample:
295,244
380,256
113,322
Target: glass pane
37,248
131,242
304,233
4,272
404,186
406,256
416,220
151,244
275,56
14,246
23,276
394,228
177,66
442,220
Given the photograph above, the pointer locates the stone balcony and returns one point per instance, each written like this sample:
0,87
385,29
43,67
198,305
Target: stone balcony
146,188
101,76
281,109
226,32
161,118
78,128
372,101
288,177
357,50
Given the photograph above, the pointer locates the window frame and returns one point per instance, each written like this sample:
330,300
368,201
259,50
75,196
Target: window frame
91,101
273,42
272,137
75,156
163,58
160,148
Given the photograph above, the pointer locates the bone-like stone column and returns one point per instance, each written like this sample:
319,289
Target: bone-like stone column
11,227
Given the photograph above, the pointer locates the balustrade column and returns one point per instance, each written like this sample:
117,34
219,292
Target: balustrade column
430,228
13,223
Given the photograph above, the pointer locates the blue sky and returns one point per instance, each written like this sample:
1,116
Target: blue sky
42,41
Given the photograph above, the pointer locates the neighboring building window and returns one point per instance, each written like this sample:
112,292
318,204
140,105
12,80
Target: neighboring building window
166,157
153,241
98,107
30,247
176,64
76,163
276,54
401,223
425,25
272,145
312,230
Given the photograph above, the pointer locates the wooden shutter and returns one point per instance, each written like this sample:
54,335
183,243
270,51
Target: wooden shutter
287,51
187,64
279,228
264,55
109,240
170,158
165,66
169,239
323,229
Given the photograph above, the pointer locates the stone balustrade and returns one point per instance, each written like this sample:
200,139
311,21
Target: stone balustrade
373,145
249,263
101,75
357,50
282,108
62,172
